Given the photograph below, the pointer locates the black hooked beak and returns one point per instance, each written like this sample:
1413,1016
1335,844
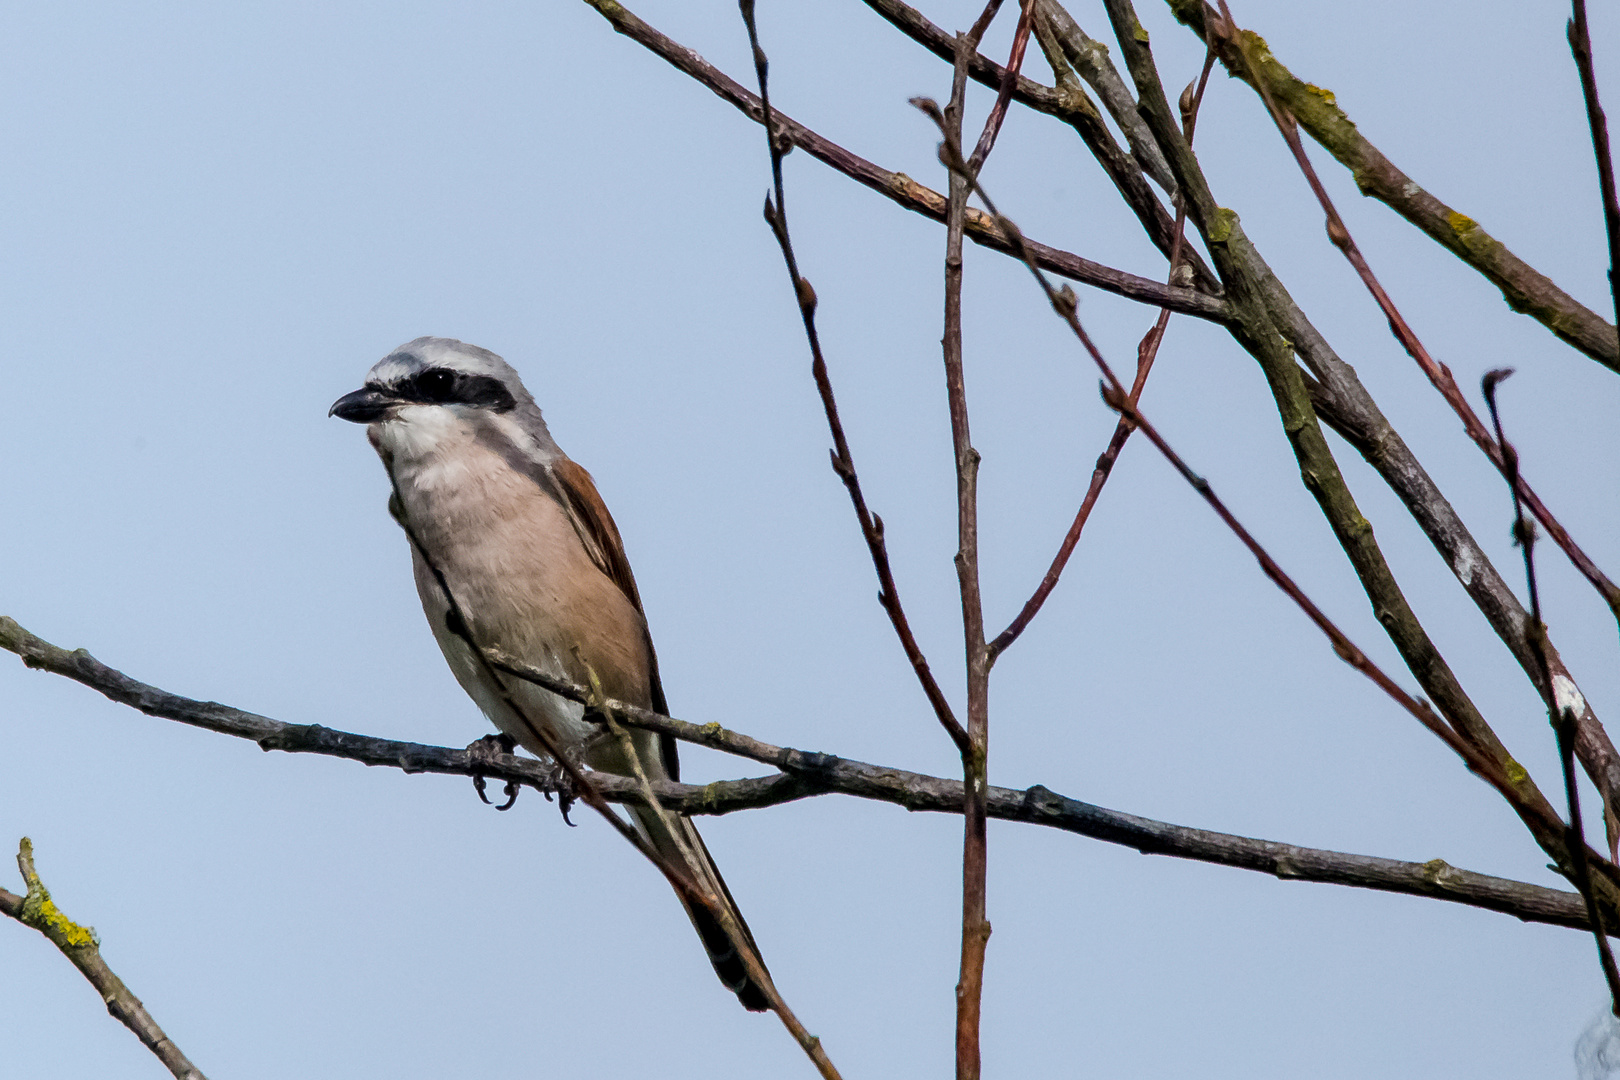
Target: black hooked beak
363,406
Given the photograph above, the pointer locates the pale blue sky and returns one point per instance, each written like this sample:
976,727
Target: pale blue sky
218,217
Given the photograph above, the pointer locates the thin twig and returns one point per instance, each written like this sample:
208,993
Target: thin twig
1439,374
1146,353
1580,44
907,193
975,935
1559,710
1065,304
843,461
1524,288
808,774
998,112
80,945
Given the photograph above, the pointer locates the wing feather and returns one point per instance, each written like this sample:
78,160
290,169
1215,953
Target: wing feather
602,541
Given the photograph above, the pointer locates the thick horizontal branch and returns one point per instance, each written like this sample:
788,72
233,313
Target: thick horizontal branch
903,190
1523,287
805,774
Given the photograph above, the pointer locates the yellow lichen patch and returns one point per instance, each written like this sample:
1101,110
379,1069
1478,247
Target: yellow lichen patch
1256,47
1434,868
1516,773
1220,229
1325,95
712,728
1461,223
41,912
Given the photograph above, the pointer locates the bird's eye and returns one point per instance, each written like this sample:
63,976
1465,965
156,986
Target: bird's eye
436,384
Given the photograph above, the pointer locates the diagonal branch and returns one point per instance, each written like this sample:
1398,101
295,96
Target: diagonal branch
1439,374
1090,59
806,774
1523,287
1266,323
905,191
80,945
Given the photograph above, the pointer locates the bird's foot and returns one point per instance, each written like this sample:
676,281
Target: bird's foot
563,785
483,752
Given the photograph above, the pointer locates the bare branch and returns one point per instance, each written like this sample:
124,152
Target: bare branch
1266,323
1146,353
1524,289
1438,374
1342,403
975,937
807,774
81,946
905,191
1090,59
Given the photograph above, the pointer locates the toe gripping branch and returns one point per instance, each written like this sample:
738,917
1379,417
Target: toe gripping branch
482,751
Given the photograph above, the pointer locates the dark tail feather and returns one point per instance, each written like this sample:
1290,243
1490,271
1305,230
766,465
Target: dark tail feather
727,964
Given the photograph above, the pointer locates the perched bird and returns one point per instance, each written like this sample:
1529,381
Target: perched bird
536,568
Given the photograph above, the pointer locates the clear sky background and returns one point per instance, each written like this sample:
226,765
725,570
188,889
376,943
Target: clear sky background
216,218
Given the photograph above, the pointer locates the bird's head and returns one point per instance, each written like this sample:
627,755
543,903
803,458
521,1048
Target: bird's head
433,374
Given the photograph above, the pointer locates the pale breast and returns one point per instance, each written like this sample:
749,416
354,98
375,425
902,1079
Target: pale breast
512,558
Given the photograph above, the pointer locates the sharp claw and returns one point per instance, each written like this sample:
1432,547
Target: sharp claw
481,750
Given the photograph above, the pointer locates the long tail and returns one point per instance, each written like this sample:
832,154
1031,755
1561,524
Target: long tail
727,964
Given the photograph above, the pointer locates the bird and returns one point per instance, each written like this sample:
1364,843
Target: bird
517,533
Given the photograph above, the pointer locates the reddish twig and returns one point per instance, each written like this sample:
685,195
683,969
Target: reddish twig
843,461
1561,712
1004,93
975,936
1439,374
1580,44
1146,353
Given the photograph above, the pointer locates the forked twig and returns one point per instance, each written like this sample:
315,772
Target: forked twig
1146,353
1559,709
79,944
